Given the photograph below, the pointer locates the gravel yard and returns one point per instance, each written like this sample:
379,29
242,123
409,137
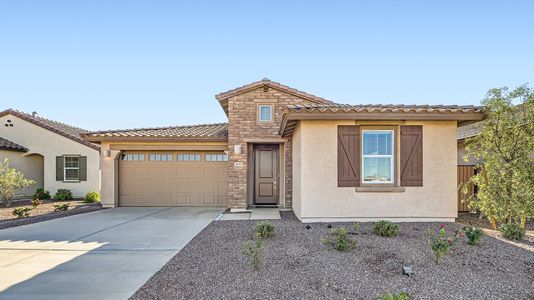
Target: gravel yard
296,265
43,212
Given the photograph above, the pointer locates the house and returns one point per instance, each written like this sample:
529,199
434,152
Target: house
51,153
286,148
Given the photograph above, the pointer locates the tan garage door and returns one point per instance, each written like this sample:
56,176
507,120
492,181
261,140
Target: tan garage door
173,179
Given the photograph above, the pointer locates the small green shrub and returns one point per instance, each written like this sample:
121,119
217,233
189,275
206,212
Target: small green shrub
36,202
402,295
253,251
92,197
474,235
356,228
63,194
512,232
61,207
41,194
386,228
264,229
441,244
21,212
339,240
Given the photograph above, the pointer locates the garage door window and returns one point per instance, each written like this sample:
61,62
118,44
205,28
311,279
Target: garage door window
216,157
133,157
188,157
160,157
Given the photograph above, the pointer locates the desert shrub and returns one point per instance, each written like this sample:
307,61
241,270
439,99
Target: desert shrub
12,182
441,244
512,231
386,228
339,240
41,194
356,228
264,229
63,194
36,202
92,197
474,235
402,295
21,212
61,207
253,251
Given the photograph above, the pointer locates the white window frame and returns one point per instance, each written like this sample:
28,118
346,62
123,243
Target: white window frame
391,157
70,168
270,106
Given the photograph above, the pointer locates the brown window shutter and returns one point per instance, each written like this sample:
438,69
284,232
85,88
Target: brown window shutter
411,155
348,156
83,168
59,168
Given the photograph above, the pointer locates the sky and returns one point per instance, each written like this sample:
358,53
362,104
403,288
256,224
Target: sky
109,64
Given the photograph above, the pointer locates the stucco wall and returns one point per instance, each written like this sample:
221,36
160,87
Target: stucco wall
297,171
30,165
322,200
48,144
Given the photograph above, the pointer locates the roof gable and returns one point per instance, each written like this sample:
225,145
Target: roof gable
68,131
223,97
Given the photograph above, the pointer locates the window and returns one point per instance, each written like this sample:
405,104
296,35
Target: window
160,157
265,113
188,157
216,157
72,168
133,157
377,156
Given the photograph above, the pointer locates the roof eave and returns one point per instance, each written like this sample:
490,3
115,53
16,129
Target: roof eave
289,119
100,139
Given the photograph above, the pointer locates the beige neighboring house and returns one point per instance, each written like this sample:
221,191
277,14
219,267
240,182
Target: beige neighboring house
289,149
50,153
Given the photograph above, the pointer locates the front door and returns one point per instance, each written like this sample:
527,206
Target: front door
266,174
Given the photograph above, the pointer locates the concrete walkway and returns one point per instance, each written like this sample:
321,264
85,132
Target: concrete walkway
253,214
106,254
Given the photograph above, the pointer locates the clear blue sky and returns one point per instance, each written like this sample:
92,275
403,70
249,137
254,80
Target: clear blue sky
120,64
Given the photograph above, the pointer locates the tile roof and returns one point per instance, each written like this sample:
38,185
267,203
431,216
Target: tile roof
9,145
217,131
385,108
265,82
63,129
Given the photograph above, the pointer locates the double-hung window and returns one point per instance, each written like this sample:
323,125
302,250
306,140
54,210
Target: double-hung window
377,156
265,113
72,168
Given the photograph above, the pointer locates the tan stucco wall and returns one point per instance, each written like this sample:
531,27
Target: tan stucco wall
109,160
297,171
321,199
30,165
49,144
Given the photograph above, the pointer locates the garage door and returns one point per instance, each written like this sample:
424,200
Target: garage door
173,179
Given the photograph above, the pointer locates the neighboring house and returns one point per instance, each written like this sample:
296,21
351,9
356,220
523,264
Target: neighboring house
289,149
462,134
50,153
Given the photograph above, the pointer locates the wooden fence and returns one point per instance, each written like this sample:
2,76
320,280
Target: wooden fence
464,174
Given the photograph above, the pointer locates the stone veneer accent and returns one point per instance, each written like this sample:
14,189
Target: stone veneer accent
243,124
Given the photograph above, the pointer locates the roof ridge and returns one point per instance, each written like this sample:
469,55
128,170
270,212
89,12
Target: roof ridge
154,128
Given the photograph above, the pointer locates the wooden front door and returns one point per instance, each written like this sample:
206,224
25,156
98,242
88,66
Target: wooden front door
266,174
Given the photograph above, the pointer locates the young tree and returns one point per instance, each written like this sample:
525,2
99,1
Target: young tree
506,148
11,183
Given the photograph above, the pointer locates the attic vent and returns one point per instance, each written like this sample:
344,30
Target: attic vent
8,124
265,89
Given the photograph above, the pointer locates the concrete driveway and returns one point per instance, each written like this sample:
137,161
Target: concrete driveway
106,254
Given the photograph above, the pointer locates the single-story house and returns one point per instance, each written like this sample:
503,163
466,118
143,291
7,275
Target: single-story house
289,149
49,152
